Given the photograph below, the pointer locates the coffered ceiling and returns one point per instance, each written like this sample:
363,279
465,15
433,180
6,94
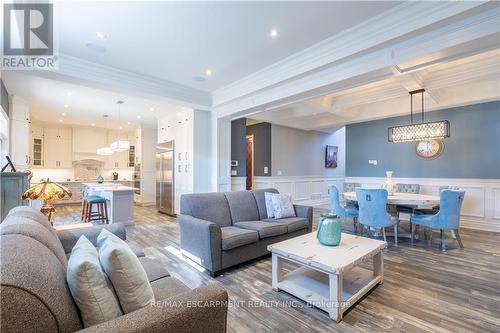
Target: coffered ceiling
468,80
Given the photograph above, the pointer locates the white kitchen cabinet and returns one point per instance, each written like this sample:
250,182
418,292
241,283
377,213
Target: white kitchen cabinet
36,130
20,151
37,151
58,153
20,145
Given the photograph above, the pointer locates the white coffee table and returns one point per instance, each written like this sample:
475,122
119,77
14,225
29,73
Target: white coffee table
329,277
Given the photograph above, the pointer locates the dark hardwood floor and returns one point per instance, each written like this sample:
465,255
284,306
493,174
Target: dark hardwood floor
424,290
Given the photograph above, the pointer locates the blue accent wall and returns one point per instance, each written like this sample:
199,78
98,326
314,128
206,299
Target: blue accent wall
472,151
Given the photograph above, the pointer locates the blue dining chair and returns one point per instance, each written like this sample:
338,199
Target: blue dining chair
435,209
373,211
347,211
447,218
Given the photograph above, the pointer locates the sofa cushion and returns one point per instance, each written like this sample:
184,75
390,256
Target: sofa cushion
154,269
89,285
31,213
242,206
259,196
16,224
265,229
292,223
168,287
35,284
283,206
125,272
234,237
211,207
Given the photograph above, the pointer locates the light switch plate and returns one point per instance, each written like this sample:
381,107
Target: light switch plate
279,172
234,172
266,170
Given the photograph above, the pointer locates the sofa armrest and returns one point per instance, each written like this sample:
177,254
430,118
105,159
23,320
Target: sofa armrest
305,212
201,241
69,237
196,311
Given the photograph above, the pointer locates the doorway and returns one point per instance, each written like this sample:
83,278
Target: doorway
249,161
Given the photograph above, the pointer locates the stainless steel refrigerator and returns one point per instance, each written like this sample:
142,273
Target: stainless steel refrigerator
165,177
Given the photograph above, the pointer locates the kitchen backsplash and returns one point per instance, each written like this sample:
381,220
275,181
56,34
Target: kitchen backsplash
60,175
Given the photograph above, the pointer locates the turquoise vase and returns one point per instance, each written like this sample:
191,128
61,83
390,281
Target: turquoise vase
100,180
329,229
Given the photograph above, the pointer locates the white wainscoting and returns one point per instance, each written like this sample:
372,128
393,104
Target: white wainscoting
481,208
238,183
304,190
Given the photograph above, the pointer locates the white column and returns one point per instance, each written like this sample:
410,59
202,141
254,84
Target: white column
221,154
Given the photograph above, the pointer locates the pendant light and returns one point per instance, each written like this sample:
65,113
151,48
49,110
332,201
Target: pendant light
105,151
120,145
420,131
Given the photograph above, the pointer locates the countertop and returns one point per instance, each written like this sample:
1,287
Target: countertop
109,187
87,180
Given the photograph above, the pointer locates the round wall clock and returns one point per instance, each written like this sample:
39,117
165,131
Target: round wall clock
429,148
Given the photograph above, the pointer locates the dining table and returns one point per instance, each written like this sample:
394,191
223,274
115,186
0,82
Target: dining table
414,200
406,199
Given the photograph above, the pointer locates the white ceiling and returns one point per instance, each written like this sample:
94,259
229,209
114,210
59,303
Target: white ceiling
176,41
85,106
464,81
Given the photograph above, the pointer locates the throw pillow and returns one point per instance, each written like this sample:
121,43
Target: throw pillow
125,272
283,206
89,285
269,204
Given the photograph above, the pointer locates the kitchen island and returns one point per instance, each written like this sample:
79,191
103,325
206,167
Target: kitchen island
119,200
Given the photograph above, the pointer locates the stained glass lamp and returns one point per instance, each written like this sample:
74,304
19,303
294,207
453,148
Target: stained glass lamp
47,191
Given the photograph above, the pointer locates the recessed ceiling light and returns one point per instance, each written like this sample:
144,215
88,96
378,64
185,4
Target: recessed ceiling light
128,123
66,106
151,109
121,127
96,47
92,124
273,33
60,120
70,93
208,72
198,78
63,114
101,35
139,117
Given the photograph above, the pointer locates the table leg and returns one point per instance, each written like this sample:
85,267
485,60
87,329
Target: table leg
336,287
378,266
277,271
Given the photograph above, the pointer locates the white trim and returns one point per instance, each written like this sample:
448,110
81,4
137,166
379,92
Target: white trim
238,183
481,209
90,73
445,42
312,190
400,20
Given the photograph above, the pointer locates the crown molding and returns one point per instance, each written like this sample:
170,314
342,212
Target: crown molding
399,21
81,71
445,42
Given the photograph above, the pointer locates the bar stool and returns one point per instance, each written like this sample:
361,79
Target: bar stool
102,210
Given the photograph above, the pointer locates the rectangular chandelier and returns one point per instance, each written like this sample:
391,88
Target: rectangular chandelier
421,131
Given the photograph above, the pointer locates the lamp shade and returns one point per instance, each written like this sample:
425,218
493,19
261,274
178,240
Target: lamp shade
47,191
120,145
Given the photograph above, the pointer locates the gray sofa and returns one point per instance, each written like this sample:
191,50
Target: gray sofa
220,230
36,298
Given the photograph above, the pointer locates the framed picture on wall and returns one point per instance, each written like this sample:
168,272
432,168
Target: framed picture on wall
331,156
